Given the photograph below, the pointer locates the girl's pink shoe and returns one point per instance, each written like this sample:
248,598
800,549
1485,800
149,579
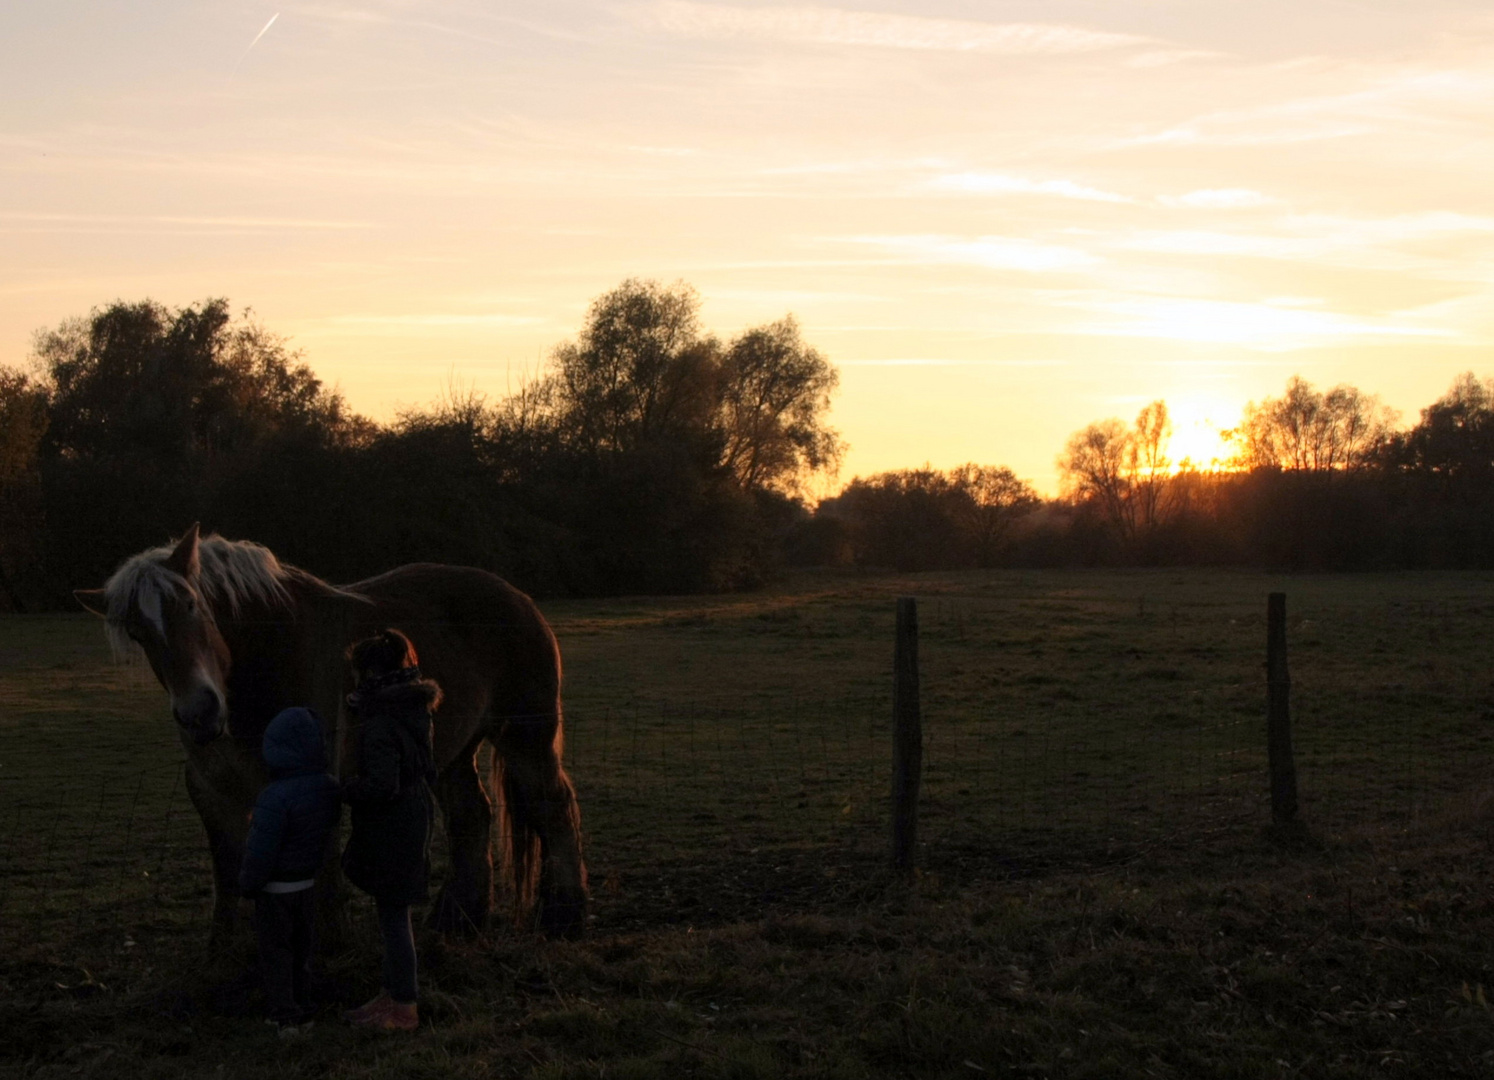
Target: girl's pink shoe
372,1005
390,1015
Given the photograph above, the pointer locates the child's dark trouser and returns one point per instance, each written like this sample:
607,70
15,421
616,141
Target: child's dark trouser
284,929
399,951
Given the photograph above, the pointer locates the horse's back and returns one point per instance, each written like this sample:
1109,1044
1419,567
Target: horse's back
483,640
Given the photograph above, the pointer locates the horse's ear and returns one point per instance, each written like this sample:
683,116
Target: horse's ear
94,600
184,559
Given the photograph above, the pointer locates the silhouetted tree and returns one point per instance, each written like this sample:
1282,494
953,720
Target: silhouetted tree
995,499
23,422
639,371
1305,430
774,393
927,519
150,411
1122,473
1455,439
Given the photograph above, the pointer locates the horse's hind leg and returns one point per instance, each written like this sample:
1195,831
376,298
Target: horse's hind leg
543,812
467,897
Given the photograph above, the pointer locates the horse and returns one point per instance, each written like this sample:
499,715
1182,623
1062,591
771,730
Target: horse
234,635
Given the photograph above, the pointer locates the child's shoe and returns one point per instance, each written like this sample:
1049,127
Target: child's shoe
372,1005
391,1016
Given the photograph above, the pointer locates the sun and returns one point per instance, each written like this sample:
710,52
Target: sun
1196,425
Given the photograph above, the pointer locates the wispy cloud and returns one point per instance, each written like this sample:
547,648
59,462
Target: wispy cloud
1256,325
1370,241
833,26
69,222
990,252
1218,199
1167,57
985,183
1416,98
434,319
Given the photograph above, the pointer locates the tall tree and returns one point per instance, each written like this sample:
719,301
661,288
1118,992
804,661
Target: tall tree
995,498
774,393
23,422
141,381
1455,439
1123,472
641,370
1305,430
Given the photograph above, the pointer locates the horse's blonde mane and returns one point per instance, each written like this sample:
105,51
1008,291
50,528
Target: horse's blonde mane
234,573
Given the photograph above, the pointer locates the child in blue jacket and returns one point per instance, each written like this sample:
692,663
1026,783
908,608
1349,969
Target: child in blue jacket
287,844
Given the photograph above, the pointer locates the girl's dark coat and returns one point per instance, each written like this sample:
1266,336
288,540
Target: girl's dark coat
388,853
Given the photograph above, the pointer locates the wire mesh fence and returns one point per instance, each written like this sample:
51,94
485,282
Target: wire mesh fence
1102,743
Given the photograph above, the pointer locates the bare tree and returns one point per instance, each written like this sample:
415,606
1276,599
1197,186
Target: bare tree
1148,467
1123,471
1308,431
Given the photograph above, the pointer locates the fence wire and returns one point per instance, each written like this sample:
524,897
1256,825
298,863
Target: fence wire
1029,772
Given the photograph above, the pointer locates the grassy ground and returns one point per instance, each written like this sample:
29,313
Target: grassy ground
1097,896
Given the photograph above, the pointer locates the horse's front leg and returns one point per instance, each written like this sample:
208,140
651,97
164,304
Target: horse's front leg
226,847
467,897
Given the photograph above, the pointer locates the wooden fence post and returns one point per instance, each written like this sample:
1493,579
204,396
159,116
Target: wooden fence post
907,735
1279,718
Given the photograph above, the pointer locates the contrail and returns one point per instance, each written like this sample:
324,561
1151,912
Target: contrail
261,34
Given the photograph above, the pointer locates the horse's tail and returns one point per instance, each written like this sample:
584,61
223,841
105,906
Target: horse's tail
541,823
520,839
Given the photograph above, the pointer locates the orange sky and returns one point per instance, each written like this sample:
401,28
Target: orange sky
1001,220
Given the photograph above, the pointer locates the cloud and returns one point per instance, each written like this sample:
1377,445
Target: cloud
984,183
990,252
434,320
833,26
1257,325
1414,99
1364,242
1218,199
84,223
1165,57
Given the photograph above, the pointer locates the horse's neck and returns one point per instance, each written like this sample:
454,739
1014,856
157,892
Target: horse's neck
287,656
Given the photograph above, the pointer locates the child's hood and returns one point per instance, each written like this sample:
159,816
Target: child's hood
293,743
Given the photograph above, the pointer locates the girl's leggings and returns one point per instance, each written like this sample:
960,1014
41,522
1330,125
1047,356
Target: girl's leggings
399,951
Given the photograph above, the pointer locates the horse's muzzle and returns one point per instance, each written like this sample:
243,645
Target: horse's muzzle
202,717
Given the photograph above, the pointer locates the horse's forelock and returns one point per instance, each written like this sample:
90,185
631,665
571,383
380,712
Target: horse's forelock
138,588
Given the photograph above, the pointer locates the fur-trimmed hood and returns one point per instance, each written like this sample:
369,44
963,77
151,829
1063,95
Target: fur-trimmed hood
405,696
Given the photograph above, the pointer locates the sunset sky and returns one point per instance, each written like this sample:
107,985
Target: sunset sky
1000,220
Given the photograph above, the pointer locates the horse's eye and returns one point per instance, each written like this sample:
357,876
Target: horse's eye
191,603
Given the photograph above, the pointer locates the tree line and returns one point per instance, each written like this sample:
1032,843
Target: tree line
1316,480
652,456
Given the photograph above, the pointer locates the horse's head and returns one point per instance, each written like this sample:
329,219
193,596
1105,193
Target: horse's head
156,600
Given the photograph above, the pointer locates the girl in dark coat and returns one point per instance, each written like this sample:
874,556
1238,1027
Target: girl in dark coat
388,852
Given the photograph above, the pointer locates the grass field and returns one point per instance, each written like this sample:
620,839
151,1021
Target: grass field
1096,894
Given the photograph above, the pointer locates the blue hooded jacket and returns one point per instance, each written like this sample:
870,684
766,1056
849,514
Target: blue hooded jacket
296,810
